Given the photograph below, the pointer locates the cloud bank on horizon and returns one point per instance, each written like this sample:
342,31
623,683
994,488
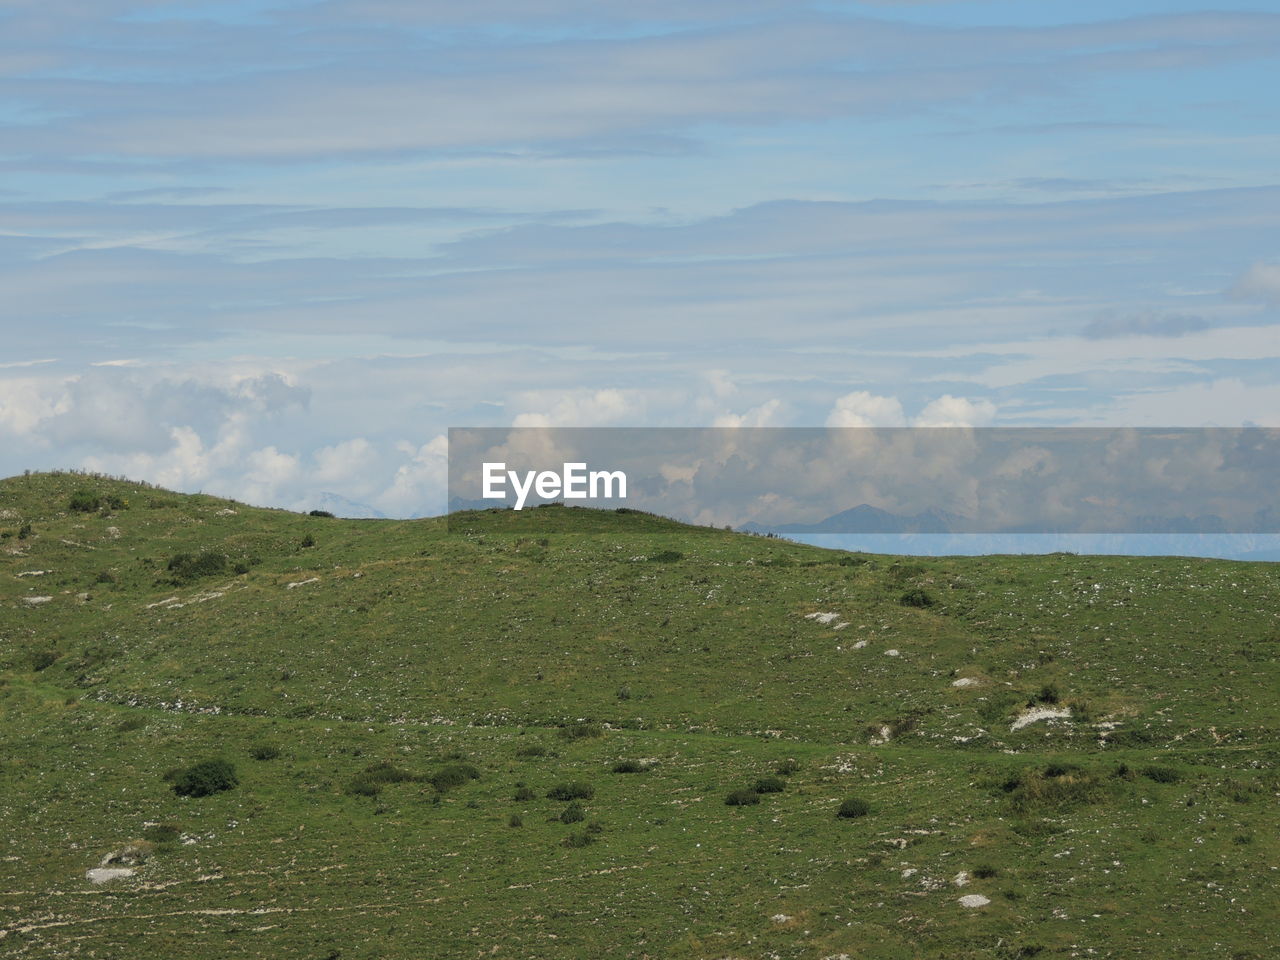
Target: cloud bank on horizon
273,249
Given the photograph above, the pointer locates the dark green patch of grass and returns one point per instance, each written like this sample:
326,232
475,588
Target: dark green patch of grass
576,790
205,778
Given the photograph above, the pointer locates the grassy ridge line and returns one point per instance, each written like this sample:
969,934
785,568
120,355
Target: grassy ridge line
514,629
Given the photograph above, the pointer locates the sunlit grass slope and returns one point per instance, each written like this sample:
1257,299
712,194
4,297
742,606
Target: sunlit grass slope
1078,741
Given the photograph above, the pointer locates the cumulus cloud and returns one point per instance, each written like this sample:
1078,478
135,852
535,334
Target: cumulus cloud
949,411
864,409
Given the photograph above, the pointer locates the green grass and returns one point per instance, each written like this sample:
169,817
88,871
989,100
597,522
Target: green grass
397,695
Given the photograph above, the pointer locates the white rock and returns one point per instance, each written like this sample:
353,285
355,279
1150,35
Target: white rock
35,601
1041,713
965,682
973,900
103,874
892,653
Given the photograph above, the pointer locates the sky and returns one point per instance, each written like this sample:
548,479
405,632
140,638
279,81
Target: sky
274,250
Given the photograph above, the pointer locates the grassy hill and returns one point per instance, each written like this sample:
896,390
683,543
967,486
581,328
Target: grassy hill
1087,743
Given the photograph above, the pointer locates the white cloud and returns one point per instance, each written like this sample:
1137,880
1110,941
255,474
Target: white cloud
949,411
864,409
1260,282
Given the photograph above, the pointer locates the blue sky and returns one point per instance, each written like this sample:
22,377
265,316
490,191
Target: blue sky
272,249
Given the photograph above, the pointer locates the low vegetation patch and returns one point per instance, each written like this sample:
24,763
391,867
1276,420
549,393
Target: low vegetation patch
630,766
571,791
742,798
853,808
205,778
185,567
770,785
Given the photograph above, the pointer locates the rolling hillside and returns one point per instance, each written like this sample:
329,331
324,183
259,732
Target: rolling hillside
488,741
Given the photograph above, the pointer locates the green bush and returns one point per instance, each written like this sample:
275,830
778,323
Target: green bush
573,813
742,798
454,775
25,531
630,766
581,731
1035,791
265,751
320,513
787,767
571,791
524,794
162,833
308,541
84,501
363,787
577,840
916,598
770,785
205,778
853,808
985,871
515,820
666,556
531,750
185,567
1161,774
43,659
1049,693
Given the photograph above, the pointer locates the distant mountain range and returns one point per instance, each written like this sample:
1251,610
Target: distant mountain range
868,519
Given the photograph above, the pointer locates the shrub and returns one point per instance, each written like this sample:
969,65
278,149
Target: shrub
577,840
43,659
362,787
666,556
571,791
1162,774
454,775
770,785
985,871
25,531
742,798
573,813
515,820
320,513
83,501
205,778
581,731
787,767
1035,790
524,794
162,833
185,567
105,576
308,541
916,598
265,751
1049,693
630,766
532,750
853,808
